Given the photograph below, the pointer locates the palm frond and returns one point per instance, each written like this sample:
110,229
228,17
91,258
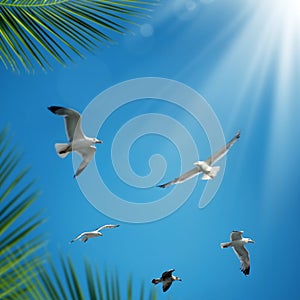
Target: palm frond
90,281
129,288
39,31
142,291
16,246
69,286
152,295
25,275
98,283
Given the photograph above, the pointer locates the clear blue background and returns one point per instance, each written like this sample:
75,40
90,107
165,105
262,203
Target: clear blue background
243,58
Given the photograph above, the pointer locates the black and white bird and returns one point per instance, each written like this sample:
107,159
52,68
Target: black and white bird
237,242
205,167
78,142
167,279
92,234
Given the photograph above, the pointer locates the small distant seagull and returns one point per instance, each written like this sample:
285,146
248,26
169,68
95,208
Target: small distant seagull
78,142
205,167
166,278
92,234
237,243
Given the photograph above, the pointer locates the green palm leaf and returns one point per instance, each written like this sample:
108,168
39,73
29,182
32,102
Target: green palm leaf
38,31
24,273
16,244
70,286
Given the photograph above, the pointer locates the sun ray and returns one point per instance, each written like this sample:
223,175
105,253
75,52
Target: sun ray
284,20
260,72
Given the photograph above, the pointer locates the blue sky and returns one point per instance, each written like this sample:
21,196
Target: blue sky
242,57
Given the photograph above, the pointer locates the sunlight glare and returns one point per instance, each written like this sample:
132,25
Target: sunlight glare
288,10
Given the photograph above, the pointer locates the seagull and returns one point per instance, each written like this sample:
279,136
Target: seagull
205,167
166,278
92,234
237,243
78,142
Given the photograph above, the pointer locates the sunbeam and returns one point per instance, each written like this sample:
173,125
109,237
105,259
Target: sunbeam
259,72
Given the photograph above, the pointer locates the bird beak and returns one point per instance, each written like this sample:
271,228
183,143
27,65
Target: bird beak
99,142
251,241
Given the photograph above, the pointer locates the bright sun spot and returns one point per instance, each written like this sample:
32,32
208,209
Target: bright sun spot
285,19
289,10
269,40
281,20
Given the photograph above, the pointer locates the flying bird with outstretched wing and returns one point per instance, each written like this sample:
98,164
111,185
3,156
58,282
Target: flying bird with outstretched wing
78,141
167,279
237,242
206,167
92,234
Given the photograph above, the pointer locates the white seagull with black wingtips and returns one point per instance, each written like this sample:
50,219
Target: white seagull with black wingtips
205,167
237,243
167,279
78,142
92,234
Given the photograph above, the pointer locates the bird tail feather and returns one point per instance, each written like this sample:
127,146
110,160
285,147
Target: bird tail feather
62,150
155,281
212,174
225,245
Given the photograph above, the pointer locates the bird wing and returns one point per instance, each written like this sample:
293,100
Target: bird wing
236,235
166,284
84,238
182,178
243,256
87,154
107,226
167,274
72,119
78,237
222,151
